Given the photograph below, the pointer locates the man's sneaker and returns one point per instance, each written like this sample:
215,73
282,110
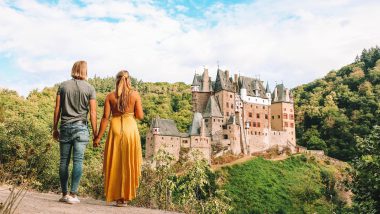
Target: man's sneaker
73,200
64,198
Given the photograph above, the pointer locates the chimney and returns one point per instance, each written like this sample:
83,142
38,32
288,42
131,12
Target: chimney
235,78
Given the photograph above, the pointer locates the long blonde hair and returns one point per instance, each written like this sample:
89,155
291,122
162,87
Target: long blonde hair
123,90
79,70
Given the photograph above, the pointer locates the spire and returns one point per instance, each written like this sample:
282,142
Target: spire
267,90
155,122
195,80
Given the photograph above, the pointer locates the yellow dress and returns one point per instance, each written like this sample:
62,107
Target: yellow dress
122,159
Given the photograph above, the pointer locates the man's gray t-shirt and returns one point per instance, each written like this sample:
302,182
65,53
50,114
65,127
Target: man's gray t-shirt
75,100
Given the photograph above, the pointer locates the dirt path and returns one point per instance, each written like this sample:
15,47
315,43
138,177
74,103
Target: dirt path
35,202
237,161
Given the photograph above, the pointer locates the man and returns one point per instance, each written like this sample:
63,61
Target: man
75,98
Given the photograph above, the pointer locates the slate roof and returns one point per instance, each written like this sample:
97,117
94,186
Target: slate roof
167,127
212,108
195,127
197,80
281,94
196,124
251,84
223,82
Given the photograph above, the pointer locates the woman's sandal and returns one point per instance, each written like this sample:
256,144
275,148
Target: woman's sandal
121,203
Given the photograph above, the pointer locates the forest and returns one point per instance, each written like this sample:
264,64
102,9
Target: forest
338,113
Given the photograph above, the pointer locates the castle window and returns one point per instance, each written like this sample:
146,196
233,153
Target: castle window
256,106
196,140
273,117
225,137
259,133
228,113
171,138
232,105
258,124
284,109
162,138
285,116
291,110
257,115
254,124
250,114
292,125
266,116
251,105
206,120
227,104
291,116
278,116
286,124
230,95
255,133
263,107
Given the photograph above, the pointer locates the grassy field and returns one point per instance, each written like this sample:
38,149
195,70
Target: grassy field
298,184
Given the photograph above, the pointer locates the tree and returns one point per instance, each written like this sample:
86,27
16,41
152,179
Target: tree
366,173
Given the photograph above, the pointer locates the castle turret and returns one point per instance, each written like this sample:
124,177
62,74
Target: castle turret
256,89
156,127
243,90
196,84
267,93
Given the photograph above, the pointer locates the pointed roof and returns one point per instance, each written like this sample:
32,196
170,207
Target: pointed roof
267,90
196,80
196,124
223,82
281,93
212,108
155,122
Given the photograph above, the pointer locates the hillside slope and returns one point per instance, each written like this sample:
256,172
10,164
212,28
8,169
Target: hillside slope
299,184
331,111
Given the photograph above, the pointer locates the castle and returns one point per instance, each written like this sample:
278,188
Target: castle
236,114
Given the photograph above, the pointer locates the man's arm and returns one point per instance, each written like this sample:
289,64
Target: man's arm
104,121
93,117
57,114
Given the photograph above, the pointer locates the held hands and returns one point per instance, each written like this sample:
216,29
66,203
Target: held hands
56,134
96,142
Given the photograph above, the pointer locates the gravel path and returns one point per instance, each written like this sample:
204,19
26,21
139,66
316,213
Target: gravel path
35,202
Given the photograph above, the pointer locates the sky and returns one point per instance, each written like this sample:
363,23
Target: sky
289,41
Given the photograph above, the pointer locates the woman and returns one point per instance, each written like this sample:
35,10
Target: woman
122,154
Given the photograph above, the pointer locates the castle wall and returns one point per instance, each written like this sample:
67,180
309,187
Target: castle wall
202,144
214,124
199,101
226,101
170,144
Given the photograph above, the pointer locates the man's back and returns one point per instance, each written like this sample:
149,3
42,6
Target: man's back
75,97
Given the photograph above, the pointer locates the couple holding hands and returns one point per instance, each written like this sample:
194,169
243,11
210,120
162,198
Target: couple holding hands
122,153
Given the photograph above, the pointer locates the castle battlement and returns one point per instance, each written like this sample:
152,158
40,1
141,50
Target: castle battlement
234,114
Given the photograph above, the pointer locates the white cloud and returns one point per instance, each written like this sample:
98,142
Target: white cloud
293,42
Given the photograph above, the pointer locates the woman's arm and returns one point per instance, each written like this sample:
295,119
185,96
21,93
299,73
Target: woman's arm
57,113
104,121
139,113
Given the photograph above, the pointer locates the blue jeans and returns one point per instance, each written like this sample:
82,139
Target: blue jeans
74,137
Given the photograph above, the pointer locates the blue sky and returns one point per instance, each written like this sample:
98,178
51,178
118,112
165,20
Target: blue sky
290,41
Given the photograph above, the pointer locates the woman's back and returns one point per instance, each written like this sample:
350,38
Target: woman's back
133,105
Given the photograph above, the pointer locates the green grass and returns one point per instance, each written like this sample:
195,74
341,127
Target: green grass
290,186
